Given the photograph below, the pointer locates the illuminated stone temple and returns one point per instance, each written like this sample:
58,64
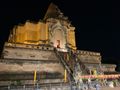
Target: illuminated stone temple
48,49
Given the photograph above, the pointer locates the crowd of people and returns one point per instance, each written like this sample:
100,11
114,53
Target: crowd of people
98,84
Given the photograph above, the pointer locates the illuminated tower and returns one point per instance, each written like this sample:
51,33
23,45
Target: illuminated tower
55,29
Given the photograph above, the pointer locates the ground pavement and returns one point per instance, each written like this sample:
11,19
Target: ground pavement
108,88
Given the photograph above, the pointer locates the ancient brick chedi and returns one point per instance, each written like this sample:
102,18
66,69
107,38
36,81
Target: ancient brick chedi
47,47
31,46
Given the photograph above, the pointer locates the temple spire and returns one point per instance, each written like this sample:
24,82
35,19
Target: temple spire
54,12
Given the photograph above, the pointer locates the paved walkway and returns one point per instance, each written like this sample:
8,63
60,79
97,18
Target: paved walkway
108,88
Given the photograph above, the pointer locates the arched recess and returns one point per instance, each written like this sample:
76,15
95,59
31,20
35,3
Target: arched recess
58,37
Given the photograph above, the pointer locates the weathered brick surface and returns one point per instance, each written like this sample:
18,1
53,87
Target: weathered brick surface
89,57
108,67
20,60
51,67
34,54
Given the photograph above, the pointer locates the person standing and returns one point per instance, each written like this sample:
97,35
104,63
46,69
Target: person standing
89,84
97,86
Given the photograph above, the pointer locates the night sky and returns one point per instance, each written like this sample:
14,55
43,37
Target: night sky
97,22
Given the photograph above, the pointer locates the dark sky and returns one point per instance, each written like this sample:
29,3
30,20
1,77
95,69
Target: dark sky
97,22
